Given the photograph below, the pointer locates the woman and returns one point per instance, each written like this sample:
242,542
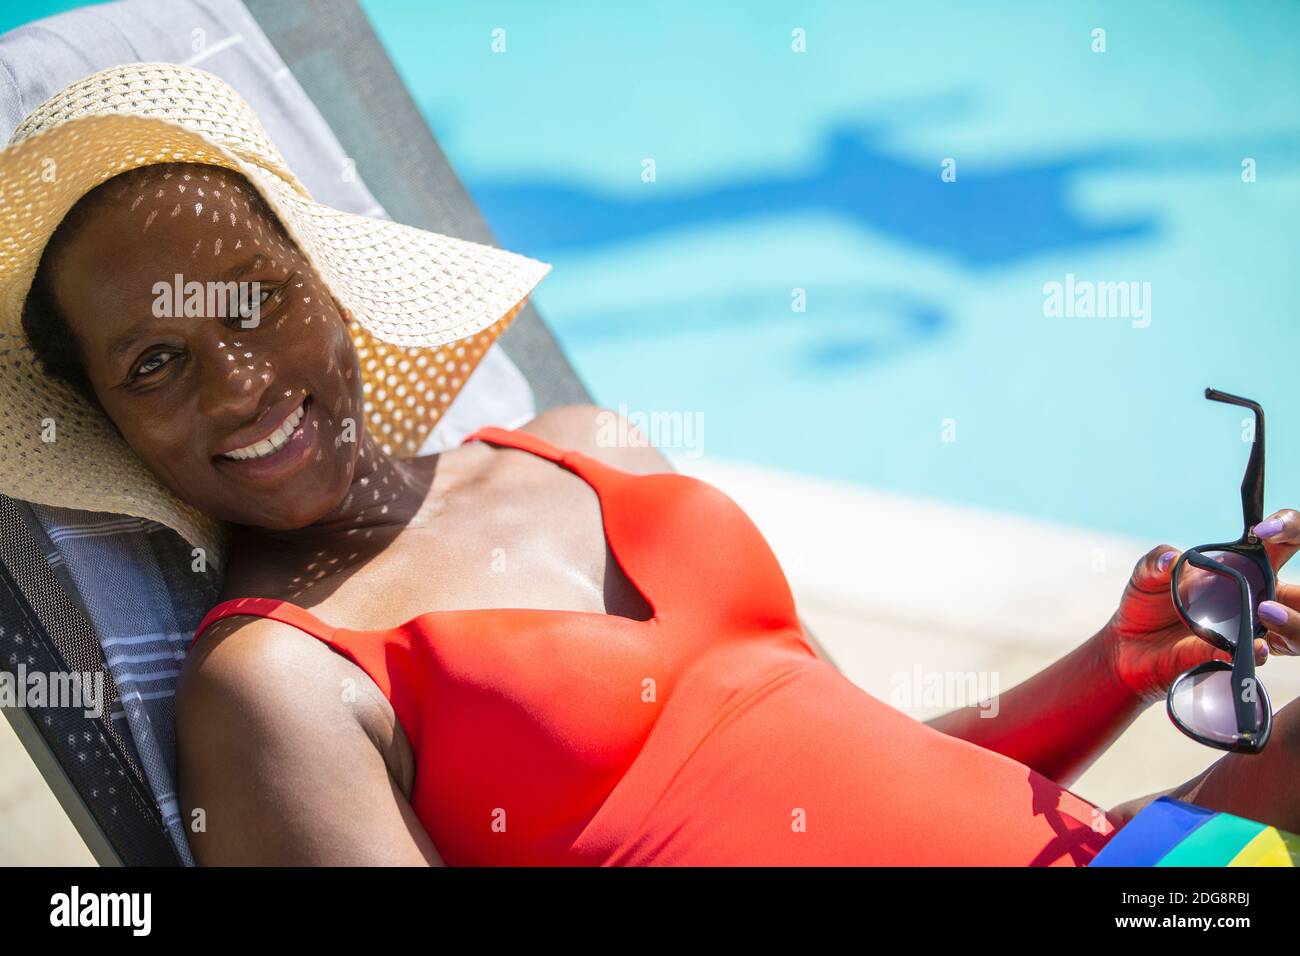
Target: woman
533,648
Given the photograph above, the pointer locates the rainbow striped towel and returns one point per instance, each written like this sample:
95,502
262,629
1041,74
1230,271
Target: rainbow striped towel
1171,833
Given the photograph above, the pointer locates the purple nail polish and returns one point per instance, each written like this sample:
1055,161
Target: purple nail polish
1272,613
1163,561
1266,529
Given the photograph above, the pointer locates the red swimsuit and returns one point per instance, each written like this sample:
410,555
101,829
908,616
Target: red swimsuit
709,734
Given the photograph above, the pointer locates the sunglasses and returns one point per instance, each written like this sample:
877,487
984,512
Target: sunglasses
1216,591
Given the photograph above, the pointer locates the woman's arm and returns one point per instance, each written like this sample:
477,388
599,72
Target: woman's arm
1060,720
278,762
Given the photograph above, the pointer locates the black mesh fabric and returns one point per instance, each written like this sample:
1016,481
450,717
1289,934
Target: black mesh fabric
43,629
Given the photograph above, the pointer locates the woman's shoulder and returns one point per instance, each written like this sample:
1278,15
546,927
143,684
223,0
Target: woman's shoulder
245,673
603,434
241,659
266,720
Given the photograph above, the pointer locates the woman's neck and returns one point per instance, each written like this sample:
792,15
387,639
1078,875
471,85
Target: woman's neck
386,493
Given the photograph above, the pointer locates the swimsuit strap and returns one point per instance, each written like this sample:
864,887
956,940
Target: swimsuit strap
275,609
495,435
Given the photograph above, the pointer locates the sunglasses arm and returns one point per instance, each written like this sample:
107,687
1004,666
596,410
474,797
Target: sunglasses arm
1252,485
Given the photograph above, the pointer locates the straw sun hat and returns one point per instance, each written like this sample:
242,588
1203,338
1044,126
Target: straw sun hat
426,306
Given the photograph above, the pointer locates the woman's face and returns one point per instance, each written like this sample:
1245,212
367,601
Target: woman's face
206,402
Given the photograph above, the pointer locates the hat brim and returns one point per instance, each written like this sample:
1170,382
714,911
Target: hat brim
405,286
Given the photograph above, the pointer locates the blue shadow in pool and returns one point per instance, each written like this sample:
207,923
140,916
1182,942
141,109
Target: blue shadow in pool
986,218
844,328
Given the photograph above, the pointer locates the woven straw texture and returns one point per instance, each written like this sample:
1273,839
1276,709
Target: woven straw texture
426,306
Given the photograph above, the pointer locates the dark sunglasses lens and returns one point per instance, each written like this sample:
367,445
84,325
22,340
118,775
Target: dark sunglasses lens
1214,600
1202,703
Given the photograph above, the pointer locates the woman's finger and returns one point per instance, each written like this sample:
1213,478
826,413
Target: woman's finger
1283,625
1280,535
1151,573
1288,594
1262,652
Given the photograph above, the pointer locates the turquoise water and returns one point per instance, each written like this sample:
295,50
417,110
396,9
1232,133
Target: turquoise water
15,14
820,171
925,299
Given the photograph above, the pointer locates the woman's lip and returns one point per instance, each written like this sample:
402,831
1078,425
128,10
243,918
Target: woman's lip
270,422
283,462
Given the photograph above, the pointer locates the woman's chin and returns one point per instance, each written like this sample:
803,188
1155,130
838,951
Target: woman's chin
267,512
276,523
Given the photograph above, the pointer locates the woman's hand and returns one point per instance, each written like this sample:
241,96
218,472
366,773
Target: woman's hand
1150,646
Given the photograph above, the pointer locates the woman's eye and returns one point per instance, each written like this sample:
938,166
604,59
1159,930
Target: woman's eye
249,297
152,363
250,300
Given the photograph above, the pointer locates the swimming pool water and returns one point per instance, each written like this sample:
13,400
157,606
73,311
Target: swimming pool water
821,171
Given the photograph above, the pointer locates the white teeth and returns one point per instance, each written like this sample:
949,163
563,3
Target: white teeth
272,442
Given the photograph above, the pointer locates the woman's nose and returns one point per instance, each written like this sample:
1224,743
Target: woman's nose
234,377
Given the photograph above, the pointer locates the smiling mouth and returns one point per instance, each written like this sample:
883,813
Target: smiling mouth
269,462
273,442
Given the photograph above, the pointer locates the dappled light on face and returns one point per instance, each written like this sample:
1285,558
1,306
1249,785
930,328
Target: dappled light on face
405,390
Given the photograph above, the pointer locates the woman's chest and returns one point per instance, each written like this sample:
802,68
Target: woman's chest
539,545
